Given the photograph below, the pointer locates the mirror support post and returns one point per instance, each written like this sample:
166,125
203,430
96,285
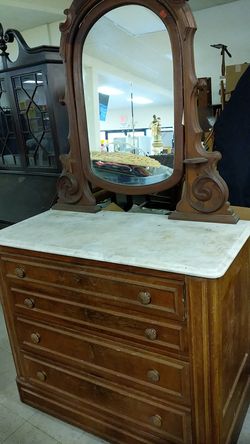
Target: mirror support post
205,193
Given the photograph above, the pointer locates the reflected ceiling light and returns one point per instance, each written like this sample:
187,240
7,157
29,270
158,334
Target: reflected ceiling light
110,91
141,100
169,56
33,81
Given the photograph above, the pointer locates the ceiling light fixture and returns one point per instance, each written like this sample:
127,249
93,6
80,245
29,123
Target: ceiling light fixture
141,100
33,81
110,91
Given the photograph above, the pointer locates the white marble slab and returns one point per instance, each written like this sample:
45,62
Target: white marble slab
144,240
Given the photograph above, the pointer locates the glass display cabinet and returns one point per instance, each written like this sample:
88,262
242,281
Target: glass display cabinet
33,127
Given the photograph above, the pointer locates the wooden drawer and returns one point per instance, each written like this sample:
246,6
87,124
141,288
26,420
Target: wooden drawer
162,420
129,366
132,327
155,296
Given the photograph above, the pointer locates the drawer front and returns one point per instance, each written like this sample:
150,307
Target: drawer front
165,421
153,373
150,333
148,294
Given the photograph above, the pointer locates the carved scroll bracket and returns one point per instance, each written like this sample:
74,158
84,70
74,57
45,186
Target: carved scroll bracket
72,192
205,194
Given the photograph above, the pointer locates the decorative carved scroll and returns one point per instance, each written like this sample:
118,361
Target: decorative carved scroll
68,186
205,194
71,195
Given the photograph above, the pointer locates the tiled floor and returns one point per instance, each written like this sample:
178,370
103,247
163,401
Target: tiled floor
21,424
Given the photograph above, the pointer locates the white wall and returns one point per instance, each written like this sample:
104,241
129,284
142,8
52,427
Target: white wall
54,33
42,35
37,36
227,24
143,117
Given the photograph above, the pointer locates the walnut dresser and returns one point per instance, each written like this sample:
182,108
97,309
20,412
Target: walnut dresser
132,327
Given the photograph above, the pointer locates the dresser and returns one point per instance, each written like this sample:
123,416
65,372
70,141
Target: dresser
133,327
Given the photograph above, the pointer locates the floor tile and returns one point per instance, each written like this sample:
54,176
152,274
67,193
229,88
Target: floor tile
7,382
10,399
244,438
7,362
27,434
62,432
3,331
9,423
245,432
4,342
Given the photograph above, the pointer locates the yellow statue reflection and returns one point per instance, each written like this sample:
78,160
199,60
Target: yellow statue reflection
156,134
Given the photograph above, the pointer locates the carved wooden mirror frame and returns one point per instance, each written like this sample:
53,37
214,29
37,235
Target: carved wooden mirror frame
205,193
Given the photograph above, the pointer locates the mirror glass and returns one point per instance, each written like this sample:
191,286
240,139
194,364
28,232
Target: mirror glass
129,97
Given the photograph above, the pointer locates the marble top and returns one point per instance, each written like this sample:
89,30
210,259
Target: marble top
144,240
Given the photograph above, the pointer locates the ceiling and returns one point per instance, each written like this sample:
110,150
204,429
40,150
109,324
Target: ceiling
126,57
28,14
196,5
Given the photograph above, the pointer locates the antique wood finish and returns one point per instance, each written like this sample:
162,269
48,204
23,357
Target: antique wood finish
93,348
205,193
220,341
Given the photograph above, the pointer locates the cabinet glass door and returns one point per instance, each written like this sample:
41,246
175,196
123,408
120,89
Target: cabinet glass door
9,155
34,119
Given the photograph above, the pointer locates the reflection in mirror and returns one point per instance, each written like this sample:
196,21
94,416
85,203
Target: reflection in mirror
129,99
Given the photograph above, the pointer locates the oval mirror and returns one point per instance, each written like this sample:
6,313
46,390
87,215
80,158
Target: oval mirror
129,97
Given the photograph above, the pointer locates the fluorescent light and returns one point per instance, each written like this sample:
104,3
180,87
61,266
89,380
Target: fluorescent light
110,91
33,81
141,100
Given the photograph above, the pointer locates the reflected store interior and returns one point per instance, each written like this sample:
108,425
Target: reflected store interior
129,97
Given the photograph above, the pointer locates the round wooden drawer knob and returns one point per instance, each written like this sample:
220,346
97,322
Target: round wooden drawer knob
41,376
151,334
153,376
156,420
28,302
144,297
35,338
19,272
